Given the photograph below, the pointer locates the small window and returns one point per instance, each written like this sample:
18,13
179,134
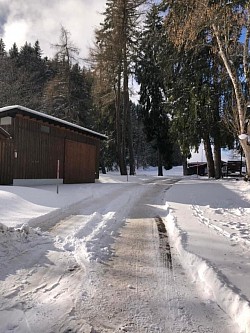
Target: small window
45,129
5,121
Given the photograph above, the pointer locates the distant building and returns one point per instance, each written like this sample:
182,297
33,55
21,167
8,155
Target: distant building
36,148
197,168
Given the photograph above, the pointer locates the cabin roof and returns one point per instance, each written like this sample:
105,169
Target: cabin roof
18,109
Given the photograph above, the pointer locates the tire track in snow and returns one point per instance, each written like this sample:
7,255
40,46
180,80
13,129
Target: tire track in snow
165,250
136,292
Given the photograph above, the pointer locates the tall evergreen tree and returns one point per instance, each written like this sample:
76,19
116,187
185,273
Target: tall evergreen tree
13,52
228,22
4,74
112,57
152,77
2,48
32,71
80,95
23,77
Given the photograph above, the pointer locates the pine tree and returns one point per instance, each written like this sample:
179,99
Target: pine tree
80,95
32,71
13,52
4,68
23,77
2,48
151,76
228,23
37,49
112,64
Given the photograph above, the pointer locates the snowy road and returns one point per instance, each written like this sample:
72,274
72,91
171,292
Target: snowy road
102,269
136,292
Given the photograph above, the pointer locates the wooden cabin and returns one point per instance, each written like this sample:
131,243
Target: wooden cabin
197,168
37,149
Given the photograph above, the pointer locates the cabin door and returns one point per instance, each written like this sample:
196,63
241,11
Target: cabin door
6,162
80,162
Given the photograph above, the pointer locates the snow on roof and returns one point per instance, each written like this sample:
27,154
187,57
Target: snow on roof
49,117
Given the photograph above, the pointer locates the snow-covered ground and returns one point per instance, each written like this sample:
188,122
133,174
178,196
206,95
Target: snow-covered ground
87,259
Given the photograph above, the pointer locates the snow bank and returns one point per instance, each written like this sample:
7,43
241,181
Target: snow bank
209,278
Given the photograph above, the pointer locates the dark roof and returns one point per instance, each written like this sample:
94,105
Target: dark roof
196,163
17,109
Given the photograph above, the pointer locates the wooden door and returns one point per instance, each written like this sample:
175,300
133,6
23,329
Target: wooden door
6,162
80,162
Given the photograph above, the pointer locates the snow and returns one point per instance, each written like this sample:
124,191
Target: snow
50,241
49,117
226,154
218,260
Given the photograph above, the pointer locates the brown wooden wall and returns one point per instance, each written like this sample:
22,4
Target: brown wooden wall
6,166
38,152
79,162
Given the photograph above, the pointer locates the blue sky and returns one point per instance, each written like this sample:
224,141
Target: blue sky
31,20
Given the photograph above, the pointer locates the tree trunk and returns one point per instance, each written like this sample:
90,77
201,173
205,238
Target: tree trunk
239,95
235,82
103,168
185,166
217,159
130,145
209,157
217,144
119,130
127,114
246,149
160,168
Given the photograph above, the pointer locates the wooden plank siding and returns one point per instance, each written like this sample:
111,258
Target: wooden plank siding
6,165
36,143
38,152
39,146
79,162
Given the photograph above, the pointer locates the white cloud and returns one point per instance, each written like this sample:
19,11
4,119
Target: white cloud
18,30
32,20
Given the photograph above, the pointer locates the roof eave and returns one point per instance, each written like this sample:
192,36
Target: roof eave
13,109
